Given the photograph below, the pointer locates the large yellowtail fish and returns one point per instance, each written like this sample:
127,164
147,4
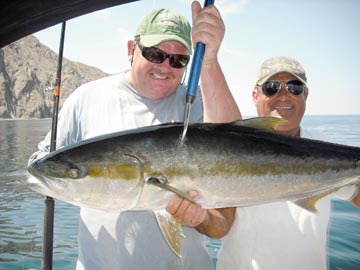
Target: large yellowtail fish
232,164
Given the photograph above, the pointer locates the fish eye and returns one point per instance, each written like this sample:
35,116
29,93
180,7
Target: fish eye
74,172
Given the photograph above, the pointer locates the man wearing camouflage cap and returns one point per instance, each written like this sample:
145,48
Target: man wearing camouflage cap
281,235
281,91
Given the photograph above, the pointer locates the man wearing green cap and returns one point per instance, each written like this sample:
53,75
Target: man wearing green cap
149,93
281,235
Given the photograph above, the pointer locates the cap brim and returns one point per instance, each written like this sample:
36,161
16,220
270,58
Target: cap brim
261,82
152,40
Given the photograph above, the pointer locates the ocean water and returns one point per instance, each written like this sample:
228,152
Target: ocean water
21,210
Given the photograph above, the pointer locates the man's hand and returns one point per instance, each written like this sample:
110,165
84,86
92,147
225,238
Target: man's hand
186,212
356,200
208,28
212,222
37,155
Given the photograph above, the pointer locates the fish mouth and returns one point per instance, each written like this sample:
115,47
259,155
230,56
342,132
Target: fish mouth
42,184
36,181
34,172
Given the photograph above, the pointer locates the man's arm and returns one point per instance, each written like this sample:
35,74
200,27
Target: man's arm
356,200
213,222
349,193
219,106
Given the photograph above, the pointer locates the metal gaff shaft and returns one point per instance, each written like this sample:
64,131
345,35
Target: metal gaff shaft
194,78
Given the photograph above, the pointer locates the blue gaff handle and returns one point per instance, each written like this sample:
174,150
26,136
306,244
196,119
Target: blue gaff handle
195,71
196,66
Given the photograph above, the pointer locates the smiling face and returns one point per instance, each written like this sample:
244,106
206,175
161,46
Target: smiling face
151,80
283,104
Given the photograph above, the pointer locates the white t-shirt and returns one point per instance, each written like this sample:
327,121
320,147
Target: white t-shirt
277,236
127,240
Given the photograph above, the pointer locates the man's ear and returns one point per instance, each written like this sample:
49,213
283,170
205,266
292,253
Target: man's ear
131,48
255,95
306,93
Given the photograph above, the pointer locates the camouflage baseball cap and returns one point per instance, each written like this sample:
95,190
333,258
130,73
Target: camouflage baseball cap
164,25
280,64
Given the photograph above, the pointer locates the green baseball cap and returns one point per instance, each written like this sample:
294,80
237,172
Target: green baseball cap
280,64
164,25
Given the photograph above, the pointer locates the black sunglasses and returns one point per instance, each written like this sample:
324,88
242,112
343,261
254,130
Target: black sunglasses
157,56
295,87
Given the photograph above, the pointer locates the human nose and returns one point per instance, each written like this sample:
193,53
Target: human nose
283,93
283,89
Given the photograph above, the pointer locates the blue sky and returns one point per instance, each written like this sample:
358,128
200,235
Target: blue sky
324,35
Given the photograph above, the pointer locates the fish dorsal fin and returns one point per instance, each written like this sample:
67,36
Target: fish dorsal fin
170,229
310,202
267,123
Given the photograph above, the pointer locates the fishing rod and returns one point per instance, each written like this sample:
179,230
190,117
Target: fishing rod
194,78
48,233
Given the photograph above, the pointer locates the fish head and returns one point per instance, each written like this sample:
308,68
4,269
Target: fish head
100,181
53,173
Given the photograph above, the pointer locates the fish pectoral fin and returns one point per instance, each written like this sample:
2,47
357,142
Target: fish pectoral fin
170,229
309,203
267,122
164,185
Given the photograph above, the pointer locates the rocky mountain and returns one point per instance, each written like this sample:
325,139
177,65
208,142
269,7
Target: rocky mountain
27,78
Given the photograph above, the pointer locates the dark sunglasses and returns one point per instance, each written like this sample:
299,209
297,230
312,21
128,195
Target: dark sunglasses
157,56
295,87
